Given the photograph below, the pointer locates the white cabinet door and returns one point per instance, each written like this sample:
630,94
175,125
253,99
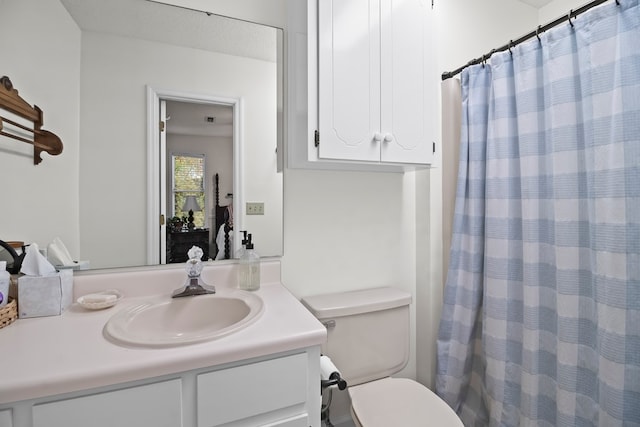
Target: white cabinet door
349,79
252,390
409,89
158,405
376,89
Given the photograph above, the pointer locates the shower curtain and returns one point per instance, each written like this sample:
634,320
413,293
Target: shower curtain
541,317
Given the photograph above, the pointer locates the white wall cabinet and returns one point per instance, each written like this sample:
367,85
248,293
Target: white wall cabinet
371,87
375,97
268,392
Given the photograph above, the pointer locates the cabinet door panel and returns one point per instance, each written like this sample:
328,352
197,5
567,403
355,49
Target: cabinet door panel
349,79
250,390
157,404
407,91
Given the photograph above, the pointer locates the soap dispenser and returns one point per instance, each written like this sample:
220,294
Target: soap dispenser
243,246
249,268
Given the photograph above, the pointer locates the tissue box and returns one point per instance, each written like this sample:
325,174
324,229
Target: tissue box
45,295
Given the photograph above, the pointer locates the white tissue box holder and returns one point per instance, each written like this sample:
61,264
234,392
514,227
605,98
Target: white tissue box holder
45,295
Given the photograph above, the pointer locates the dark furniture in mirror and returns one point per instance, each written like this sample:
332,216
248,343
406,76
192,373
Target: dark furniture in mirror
224,225
179,243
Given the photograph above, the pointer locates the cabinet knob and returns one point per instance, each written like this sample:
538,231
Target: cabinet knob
377,137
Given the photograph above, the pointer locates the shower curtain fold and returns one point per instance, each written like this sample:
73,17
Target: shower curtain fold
541,317
451,124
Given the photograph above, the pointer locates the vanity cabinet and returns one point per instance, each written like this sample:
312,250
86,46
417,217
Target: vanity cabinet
371,83
156,404
250,390
272,391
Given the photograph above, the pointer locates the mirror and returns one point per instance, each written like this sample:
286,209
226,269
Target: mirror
101,60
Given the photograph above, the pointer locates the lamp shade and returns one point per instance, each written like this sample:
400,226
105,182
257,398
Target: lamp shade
191,204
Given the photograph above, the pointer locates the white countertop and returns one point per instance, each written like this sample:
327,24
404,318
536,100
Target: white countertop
60,354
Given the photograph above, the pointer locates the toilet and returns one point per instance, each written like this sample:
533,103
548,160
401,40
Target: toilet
368,341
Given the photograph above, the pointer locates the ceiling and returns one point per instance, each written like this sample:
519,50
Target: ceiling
191,119
149,20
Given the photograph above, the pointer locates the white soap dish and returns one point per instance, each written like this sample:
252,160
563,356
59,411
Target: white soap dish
100,300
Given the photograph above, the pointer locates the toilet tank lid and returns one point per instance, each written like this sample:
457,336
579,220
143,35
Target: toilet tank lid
355,302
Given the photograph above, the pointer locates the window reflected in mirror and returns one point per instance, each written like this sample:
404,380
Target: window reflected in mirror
187,176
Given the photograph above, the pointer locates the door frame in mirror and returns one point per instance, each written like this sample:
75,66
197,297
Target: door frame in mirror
154,226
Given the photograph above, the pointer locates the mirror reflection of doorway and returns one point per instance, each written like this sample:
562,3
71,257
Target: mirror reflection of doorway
198,175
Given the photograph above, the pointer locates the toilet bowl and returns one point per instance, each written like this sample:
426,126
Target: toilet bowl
368,341
401,402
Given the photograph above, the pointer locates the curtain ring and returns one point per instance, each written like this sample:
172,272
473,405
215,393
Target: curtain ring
510,46
538,32
617,2
569,17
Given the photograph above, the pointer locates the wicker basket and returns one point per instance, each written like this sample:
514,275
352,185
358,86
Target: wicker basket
9,313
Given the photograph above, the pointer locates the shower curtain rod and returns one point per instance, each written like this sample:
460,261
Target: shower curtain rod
541,28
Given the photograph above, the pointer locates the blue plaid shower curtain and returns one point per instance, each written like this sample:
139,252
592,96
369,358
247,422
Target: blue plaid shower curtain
541,318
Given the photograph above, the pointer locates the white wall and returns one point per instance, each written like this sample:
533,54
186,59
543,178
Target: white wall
557,8
40,47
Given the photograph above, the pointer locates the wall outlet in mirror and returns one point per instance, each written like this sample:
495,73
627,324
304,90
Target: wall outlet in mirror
255,208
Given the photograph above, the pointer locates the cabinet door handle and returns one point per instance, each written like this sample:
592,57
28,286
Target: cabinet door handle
388,137
377,137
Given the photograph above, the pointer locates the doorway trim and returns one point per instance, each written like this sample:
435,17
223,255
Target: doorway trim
155,230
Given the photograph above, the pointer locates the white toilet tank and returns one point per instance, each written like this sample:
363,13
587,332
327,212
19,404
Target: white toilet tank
367,331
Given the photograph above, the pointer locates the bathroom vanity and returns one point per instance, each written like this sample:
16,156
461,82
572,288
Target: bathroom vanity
63,370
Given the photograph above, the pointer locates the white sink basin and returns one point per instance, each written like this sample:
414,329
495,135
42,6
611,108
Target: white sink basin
170,321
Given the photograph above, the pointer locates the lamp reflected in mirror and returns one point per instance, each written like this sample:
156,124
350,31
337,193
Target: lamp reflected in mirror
191,205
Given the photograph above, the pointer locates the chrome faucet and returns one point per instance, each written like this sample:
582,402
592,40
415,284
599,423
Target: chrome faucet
194,284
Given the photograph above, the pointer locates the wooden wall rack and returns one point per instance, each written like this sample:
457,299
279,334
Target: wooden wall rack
42,140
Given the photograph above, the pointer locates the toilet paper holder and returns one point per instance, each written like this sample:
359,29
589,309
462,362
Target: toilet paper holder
335,379
330,375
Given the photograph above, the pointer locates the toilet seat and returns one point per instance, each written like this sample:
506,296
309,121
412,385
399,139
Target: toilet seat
399,401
